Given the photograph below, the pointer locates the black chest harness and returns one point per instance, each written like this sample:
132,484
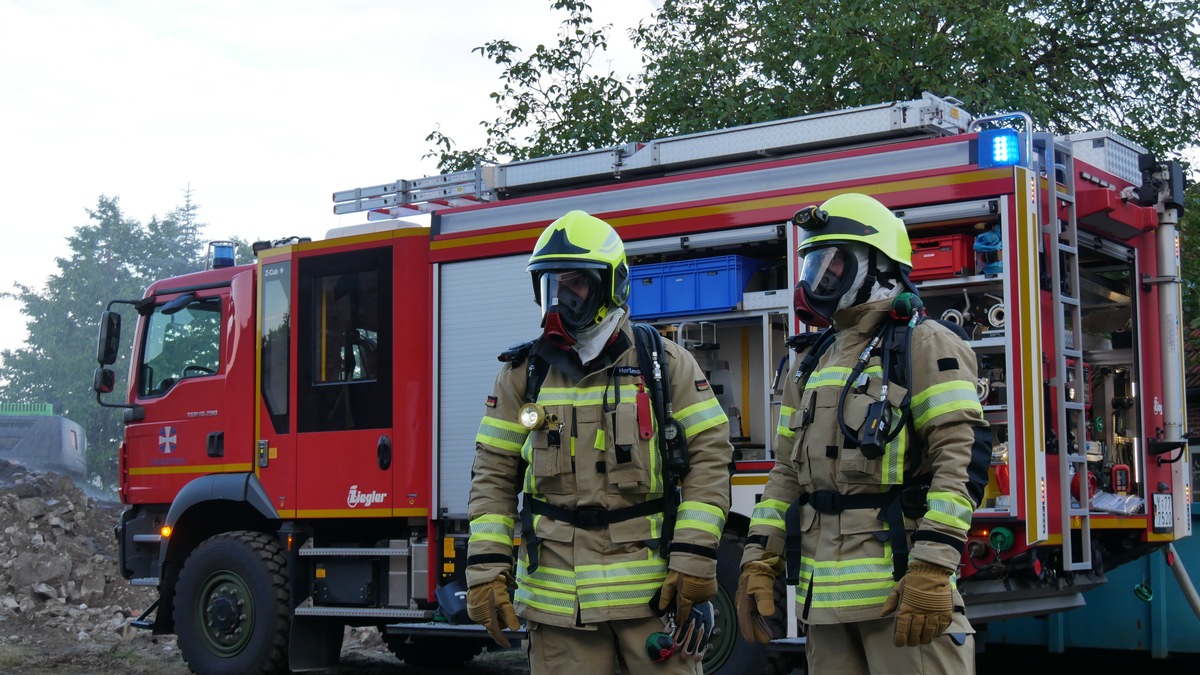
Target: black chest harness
652,368
892,341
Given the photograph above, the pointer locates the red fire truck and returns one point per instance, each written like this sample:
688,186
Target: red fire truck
299,431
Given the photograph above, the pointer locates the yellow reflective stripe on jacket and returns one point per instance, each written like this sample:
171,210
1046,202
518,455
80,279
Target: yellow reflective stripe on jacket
785,422
700,516
943,398
491,527
848,583
832,376
620,584
550,590
581,396
501,434
769,512
653,568
949,509
656,477
617,596
828,377
893,456
700,416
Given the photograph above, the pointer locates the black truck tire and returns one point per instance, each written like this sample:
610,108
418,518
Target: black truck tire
232,605
728,653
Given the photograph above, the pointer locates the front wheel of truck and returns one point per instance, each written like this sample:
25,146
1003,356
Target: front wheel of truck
231,605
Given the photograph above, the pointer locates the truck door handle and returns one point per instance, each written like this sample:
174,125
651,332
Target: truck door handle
383,452
216,444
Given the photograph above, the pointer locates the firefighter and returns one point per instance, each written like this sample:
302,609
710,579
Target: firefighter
607,545
869,502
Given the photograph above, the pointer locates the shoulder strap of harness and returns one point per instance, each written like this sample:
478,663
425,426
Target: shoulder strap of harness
672,439
535,370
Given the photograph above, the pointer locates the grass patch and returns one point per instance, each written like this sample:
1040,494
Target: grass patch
12,656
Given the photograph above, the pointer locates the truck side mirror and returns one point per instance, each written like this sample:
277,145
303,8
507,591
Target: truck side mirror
110,338
104,380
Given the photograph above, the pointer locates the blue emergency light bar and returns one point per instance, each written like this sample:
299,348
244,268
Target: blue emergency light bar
999,147
221,254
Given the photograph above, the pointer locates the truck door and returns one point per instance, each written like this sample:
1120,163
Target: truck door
343,366
180,383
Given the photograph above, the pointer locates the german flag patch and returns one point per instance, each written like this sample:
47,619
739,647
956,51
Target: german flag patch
491,402
701,385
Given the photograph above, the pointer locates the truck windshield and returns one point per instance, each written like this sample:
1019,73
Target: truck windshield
182,345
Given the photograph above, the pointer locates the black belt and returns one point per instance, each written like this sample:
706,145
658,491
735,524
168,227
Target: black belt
891,511
594,517
585,517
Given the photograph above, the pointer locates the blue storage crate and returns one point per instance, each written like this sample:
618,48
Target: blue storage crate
686,287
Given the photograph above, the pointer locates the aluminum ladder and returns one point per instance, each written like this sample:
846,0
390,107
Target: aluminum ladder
1070,389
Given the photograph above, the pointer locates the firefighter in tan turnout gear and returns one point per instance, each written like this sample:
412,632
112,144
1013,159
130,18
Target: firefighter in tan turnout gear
882,458
608,544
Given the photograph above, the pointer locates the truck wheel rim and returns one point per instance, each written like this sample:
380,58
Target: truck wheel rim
725,633
225,614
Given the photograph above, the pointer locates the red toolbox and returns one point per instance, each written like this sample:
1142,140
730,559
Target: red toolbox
943,257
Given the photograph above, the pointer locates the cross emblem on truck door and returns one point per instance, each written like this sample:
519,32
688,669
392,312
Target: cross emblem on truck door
167,440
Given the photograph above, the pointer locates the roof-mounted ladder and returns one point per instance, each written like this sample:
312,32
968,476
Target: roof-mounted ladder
925,117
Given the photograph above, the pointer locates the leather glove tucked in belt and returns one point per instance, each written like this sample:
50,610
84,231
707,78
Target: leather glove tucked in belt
488,604
756,599
685,590
923,603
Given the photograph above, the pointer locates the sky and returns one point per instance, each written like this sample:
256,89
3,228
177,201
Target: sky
262,108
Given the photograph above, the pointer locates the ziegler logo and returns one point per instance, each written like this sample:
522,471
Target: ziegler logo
356,498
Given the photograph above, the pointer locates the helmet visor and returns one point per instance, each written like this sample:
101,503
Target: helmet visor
574,295
827,273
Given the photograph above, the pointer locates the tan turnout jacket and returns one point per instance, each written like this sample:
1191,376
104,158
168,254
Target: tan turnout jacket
595,455
847,564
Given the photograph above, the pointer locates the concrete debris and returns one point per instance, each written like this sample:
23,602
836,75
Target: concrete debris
58,563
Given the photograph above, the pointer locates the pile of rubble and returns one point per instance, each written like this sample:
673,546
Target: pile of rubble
58,564
64,606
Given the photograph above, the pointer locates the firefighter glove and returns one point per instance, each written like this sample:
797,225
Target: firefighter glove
923,604
488,604
685,590
756,599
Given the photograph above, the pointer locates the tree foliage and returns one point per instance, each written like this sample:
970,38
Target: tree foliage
1073,65
550,102
1131,67
1189,253
112,257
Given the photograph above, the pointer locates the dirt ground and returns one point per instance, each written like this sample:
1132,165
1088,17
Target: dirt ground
41,650
66,610
29,653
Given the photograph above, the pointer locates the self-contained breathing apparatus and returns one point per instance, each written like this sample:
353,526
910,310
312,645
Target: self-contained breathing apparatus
672,442
881,426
